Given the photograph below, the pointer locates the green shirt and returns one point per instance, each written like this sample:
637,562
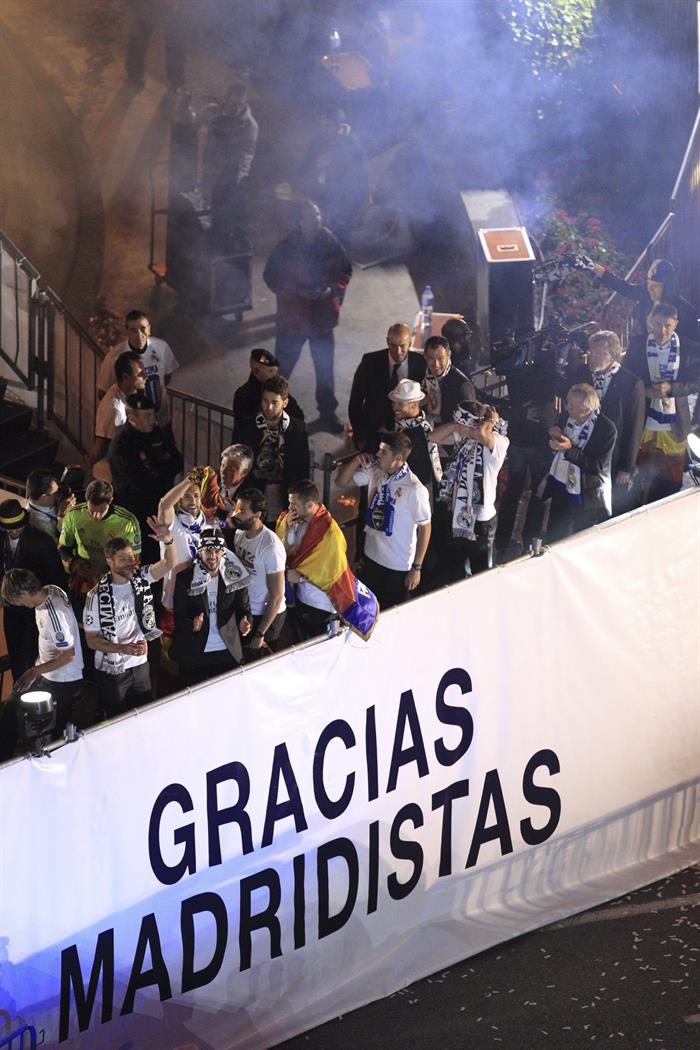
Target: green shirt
87,537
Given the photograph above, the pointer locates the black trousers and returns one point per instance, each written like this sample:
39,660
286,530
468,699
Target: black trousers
388,585
125,691
271,637
311,622
452,552
566,518
537,461
209,665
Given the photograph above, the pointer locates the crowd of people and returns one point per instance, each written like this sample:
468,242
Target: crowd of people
227,562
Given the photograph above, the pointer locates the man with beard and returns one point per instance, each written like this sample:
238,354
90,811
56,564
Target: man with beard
280,446
376,376
120,621
246,400
407,405
264,556
211,611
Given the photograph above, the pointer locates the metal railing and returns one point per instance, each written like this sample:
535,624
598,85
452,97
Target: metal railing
54,356
24,1038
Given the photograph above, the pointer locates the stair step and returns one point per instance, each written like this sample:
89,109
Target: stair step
15,420
30,451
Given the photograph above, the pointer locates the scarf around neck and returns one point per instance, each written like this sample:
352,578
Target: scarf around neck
421,422
564,474
663,363
106,612
232,572
380,512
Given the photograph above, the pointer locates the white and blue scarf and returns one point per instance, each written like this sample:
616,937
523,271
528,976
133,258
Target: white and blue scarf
663,363
562,473
380,512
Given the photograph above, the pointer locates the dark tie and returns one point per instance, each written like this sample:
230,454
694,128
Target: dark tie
394,376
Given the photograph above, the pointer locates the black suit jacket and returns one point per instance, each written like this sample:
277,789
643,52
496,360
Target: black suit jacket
296,461
687,381
369,407
143,468
624,404
188,644
455,387
594,460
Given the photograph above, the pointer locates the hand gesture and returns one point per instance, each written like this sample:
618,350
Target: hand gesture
197,622
65,505
256,642
134,648
159,530
293,576
560,444
244,626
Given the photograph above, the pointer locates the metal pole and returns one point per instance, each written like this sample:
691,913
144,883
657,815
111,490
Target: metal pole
328,464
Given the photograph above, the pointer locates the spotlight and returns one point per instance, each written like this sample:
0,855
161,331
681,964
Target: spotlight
37,718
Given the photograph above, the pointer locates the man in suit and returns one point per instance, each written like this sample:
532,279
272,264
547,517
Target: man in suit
280,446
377,374
621,395
669,367
211,611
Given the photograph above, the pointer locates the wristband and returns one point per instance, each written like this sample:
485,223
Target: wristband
257,633
167,543
416,567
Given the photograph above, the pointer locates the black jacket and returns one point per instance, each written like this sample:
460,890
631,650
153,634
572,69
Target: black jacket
455,387
623,404
369,407
36,550
246,401
189,645
143,468
594,461
295,452
687,381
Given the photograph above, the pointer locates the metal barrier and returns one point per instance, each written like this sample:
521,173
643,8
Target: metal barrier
53,355
24,1038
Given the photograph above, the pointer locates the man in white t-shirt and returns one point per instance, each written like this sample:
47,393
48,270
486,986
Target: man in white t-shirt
120,620
111,411
59,666
264,556
159,362
397,528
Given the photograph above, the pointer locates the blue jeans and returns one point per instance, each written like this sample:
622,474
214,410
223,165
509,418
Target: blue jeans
288,349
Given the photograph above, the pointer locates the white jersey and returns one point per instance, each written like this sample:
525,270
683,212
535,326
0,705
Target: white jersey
158,361
394,546
262,555
127,625
186,539
58,631
111,413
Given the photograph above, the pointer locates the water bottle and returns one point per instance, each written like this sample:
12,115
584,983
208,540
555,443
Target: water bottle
426,305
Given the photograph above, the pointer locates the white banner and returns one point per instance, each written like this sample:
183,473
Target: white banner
234,866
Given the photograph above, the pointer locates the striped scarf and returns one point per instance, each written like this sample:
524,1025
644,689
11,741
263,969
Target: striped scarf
663,363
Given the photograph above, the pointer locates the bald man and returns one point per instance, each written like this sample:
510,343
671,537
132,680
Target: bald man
377,374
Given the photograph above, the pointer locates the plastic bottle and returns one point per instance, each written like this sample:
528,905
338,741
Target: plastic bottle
426,304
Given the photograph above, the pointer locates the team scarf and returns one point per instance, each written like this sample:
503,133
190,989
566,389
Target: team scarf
232,572
563,474
106,612
462,484
663,363
270,456
192,525
421,421
380,512
320,556
432,384
601,380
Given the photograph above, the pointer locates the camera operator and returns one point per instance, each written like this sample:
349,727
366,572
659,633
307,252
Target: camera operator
529,365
